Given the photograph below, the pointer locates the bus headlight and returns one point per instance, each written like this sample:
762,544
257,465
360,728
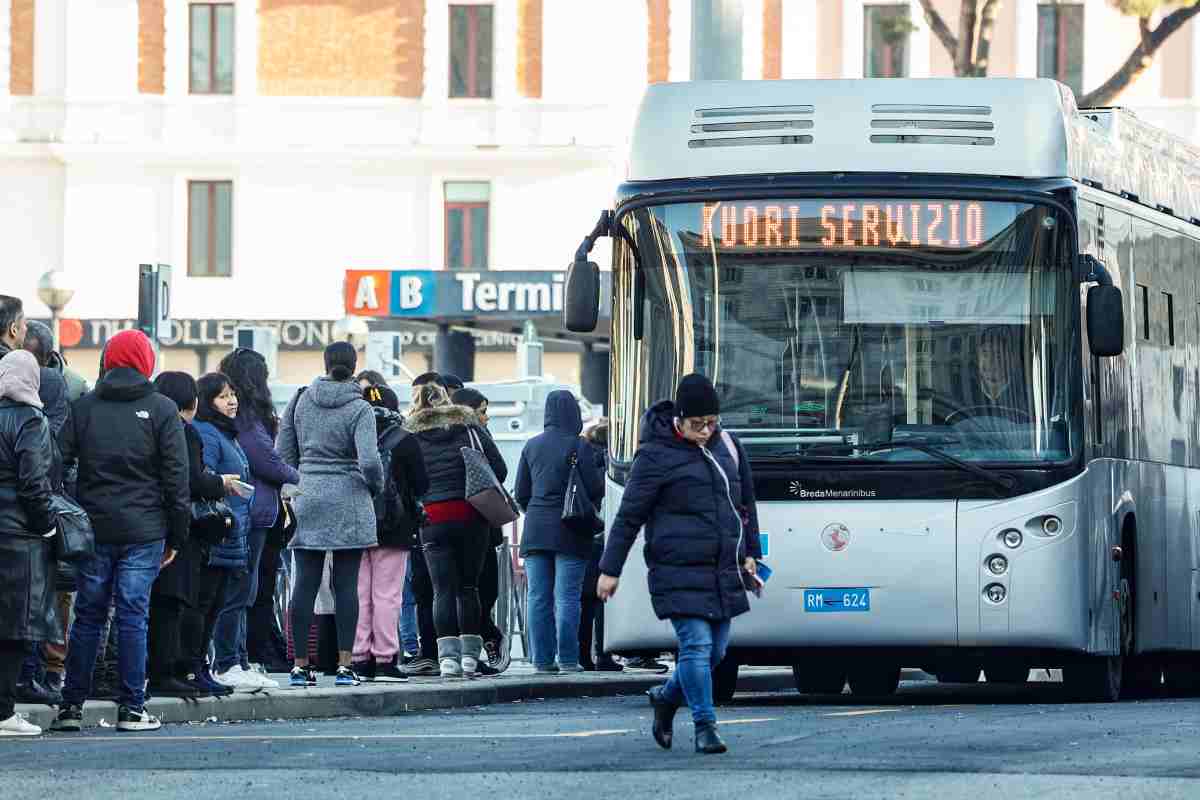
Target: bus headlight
1052,526
1012,538
997,565
995,592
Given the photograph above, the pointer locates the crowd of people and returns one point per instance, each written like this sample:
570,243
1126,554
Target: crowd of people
371,513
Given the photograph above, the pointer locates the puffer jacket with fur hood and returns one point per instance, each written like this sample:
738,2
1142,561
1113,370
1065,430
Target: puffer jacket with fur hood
442,432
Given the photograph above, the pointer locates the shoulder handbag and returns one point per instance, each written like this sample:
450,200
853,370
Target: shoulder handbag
579,512
212,521
483,490
74,539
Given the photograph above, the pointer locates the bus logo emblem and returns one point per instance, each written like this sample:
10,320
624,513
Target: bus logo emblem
835,537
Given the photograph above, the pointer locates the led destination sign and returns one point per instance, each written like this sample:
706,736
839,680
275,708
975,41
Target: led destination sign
850,224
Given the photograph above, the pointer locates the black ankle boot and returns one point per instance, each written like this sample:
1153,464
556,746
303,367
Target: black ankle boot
664,719
708,740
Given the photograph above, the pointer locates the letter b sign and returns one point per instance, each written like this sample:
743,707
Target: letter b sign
410,290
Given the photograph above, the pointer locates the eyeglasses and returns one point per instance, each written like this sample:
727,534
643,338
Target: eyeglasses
701,425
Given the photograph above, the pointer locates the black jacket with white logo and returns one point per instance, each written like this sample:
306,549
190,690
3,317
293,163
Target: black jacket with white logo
133,461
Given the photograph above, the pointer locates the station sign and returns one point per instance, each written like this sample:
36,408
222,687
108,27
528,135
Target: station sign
459,294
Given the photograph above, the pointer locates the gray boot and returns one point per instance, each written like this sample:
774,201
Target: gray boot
471,645
450,656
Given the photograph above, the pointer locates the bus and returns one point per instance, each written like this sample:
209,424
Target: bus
956,325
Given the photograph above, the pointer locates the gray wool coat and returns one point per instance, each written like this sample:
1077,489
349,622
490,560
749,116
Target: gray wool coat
328,434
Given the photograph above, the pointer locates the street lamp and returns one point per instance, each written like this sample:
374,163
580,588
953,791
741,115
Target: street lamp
353,330
54,289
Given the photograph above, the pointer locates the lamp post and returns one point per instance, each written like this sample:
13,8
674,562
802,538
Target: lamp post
55,291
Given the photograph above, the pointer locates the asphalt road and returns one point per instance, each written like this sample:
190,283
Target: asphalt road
929,741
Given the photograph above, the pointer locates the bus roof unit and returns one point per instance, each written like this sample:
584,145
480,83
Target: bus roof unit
954,126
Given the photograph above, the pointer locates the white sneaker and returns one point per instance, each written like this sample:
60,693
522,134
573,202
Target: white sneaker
239,680
17,726
257,673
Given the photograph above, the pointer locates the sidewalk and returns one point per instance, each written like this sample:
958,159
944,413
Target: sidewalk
394,699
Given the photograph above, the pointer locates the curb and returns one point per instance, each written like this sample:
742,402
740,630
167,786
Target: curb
391,700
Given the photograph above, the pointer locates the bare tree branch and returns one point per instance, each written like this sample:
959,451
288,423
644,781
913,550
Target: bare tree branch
1141,58
939,27
964,57
987,26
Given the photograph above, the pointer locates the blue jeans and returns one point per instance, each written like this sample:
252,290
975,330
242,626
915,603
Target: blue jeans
229,635
555,583
702,644
123,573
409,641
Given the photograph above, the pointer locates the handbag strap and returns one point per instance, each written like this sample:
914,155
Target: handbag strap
476,445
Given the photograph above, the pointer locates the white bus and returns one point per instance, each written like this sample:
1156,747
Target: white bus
956,324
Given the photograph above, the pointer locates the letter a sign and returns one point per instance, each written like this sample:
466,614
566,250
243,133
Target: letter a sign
368,293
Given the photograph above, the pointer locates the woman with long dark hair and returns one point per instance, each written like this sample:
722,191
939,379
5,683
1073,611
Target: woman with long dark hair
328,432
257,426
216,413
186,590
454,535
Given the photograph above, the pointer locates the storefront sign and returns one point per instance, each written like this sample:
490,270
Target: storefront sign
310,334
441,294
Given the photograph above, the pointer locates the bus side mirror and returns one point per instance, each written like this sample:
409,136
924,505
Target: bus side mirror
1105,321
581,300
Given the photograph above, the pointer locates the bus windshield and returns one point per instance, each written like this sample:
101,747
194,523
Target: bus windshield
829,325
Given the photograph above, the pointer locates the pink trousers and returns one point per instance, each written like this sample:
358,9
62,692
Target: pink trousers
380,591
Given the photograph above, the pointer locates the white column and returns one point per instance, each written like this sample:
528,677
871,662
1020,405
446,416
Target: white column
852,38
50,47
437,51
245,44
679,21
799,41
752,40
1025,38
504,58
177,51
919,42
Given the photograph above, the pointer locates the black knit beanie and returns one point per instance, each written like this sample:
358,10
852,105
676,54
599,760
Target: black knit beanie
696,397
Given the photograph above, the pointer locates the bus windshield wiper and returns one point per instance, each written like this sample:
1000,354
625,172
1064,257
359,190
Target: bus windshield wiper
927,447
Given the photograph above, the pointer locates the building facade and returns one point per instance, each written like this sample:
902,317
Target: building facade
264,148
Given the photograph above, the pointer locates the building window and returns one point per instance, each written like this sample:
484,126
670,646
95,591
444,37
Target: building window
1060,43
1144,300
212,48
467,225
886,29
210,229
1170,318
471,51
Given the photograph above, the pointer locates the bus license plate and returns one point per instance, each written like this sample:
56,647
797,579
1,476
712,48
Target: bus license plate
831,600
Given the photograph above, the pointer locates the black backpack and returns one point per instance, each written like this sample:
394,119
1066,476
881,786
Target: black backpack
395,510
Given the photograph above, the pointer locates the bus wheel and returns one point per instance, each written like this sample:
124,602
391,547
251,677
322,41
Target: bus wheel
874,681
820,678
725,677
1007,673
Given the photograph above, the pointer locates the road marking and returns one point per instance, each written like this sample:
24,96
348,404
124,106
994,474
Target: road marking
862,713
748,721
344,736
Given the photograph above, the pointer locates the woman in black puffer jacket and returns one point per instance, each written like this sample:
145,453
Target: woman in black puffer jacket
691,488
454,536
26,518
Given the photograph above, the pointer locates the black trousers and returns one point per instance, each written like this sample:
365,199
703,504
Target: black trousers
12,653
422,587
197,622
489,592
265,643
454,553
163,653
310,568
591,610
